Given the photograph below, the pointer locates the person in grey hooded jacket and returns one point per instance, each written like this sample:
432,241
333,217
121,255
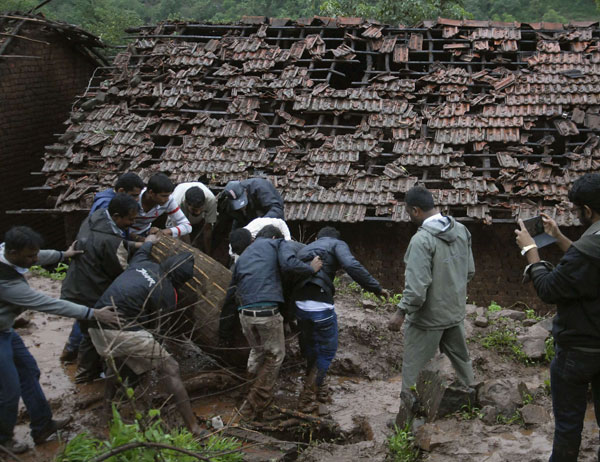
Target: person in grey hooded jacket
19,373
439,264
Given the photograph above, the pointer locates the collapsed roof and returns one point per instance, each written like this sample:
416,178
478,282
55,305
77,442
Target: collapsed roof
344,116
17,26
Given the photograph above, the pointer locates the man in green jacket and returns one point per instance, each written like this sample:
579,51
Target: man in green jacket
439,264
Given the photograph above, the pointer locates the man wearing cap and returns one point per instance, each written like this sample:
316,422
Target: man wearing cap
243,201
199,205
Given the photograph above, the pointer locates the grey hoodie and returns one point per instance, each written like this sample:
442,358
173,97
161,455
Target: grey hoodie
16,296
439,263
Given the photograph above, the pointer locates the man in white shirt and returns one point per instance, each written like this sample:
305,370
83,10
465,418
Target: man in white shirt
154,201
199,205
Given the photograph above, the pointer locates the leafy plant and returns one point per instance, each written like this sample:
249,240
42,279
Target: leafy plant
402,445
469,412
494,307
504,341
515,418
84,448
531,315
58,274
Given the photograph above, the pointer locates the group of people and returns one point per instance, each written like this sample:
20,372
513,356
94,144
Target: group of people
124,301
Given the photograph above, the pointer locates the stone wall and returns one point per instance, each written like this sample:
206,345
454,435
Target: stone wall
36,95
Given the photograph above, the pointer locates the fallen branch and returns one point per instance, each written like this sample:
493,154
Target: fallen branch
11,454
129,446
310,418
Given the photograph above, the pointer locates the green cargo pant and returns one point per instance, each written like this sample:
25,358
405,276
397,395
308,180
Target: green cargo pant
421,345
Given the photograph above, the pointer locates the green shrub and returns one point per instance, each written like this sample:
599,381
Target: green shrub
84,448
504,341
402,445
494,307
58,274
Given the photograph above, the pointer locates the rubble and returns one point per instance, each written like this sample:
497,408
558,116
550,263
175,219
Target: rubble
345,116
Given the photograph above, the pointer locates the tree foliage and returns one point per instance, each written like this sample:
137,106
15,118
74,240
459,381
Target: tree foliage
534,10
394,11
109,18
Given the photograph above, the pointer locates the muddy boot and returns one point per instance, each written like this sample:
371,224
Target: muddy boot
307,401
323,394
408,408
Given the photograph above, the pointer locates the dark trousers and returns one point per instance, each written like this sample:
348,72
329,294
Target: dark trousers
571,373
75,337
19,378
318,339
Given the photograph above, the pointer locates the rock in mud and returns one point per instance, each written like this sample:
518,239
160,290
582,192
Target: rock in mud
534,415
490,413
481,321
503,394
510,314
439,393
371,451
430,436
369,304
533,341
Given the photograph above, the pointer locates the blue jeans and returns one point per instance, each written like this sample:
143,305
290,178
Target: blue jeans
571,373
75,337
318,339
19,378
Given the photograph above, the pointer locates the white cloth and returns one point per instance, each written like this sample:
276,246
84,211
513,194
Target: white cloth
438,221
143,222
6,262
313,305
259,223
210,204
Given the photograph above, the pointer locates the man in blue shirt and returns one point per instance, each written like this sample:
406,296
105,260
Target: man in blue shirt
128,183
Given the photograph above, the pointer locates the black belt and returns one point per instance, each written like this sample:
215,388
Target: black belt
259,313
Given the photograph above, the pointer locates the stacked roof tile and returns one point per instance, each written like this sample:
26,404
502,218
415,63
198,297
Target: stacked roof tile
344,116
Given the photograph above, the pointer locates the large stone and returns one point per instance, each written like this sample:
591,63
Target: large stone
490,413
430,436
369,304
481,321
438,391
533,341
471,309
510,314
534,415
546,324
503,394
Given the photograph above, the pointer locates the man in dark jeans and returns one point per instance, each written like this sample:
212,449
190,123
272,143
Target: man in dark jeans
574,286
257,293
315,309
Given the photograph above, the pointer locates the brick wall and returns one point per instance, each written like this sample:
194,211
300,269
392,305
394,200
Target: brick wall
498,262
36,96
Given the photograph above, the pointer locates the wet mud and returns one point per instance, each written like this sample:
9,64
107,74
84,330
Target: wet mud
365,388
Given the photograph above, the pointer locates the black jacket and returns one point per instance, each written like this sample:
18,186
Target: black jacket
574,286
263,201
104,258
335,255
257,277
146,289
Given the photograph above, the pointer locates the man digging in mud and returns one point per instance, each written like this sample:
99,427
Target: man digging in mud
256,285
439,263
574,287
316,313
144,296
19,373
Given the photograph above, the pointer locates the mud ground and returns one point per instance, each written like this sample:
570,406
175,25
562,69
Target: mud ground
365,383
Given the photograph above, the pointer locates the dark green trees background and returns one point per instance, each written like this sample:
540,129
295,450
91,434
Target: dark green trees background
108,18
